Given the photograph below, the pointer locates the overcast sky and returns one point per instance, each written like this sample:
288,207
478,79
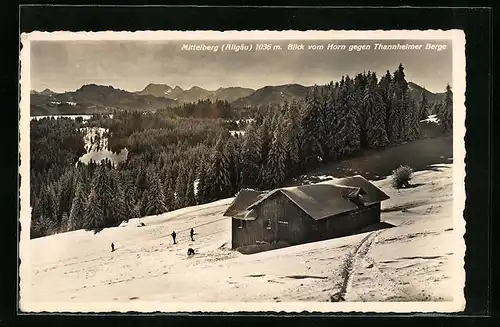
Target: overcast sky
131,65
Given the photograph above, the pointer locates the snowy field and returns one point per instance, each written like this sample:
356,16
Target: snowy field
411,262
96,145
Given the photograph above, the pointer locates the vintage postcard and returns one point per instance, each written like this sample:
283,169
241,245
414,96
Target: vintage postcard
242,171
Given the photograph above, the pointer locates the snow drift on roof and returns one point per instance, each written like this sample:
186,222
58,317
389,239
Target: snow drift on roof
319,200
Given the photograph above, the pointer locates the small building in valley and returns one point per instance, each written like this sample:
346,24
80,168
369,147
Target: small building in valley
302,214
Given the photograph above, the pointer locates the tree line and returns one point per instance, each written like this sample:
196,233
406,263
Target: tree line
176,162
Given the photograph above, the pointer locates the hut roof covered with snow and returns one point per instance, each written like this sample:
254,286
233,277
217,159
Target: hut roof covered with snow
319,200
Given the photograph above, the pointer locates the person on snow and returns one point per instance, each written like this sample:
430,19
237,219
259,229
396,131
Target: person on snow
190,251
112,247
191,233
173,236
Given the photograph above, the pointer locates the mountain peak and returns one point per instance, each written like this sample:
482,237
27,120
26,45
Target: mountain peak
157,90
47,91
94,87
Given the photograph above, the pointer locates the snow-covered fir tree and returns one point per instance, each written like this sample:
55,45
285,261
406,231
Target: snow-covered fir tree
323,98
413,125
265,131
102,184
423,106
155,200
251,157
167,188
232,150
94,213
374,108
359,86
119,209
332,124
181,187
203,195
64,223
66,193
445,113
77,216
221,187
275,168
348,128
385,89
293,135
311,117
190,199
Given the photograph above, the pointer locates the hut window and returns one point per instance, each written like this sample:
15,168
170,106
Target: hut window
268,224
241,223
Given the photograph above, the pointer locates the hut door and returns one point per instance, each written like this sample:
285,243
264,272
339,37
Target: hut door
283,231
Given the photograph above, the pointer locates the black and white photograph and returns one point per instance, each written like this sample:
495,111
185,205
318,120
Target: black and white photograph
235,171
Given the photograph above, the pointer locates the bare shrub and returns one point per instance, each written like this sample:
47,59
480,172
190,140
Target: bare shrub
401,177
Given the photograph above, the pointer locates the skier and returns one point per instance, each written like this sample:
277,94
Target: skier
112,247
173,236
191,233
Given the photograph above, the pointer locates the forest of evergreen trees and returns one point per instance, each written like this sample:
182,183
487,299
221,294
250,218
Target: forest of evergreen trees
177,161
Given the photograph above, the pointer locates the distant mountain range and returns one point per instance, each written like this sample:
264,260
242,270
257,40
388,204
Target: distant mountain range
94,98
195,93
273,94
416,93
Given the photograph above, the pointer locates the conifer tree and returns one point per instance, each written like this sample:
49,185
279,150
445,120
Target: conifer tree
220,171
155,200
332,122
94,214
311,145
102,184
66,193
119,209
293,135
348,128
413,125
47,211
129,193
168,188
275,170
202,194
181,186
64,223
265,131
323,98
251,157
423,107
374,108
233,153
400,118
445,113
359,87
385,89
436,108
190,197
77,218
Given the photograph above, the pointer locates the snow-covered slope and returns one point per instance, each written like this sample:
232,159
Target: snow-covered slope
415,261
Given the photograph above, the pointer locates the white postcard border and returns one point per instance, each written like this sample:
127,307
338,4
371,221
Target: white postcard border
459,86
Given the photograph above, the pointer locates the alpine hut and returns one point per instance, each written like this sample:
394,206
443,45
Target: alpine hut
306,213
